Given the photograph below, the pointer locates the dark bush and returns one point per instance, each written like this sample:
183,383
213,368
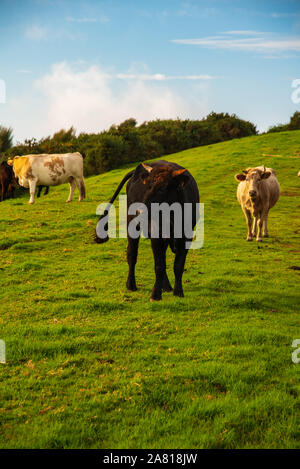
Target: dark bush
129,143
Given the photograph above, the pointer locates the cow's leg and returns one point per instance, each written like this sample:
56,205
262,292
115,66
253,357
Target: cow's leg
2,190
39,191
81,188
247,214
166,286
159,247
11,191
32,187
254,227
178,270
266,234
46,190
72,188
132,253
260,225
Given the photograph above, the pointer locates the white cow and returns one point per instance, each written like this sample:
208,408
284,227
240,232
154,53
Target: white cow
257,192
50,170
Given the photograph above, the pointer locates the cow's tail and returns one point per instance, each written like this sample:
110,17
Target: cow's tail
98,239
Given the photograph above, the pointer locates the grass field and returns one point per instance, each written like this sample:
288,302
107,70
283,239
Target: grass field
90,365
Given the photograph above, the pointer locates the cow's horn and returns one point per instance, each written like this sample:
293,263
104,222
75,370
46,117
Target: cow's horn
147,167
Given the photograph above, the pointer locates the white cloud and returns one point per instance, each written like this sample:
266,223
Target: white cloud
245,33
261,42
91,100
35,32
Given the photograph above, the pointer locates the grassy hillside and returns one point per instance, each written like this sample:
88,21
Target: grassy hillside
91,365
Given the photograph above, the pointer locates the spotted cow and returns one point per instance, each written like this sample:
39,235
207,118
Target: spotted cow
50,170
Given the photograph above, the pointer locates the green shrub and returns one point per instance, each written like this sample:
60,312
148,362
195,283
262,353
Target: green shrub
128,142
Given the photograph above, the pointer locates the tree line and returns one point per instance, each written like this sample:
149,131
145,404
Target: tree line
129,142
294,124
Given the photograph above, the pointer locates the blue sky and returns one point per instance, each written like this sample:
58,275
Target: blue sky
93,63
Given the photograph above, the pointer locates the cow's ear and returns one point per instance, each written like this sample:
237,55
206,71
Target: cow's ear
240,177
180,176
266,175
143,170
147,167
10,162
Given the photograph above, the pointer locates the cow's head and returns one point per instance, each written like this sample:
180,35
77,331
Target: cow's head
162,183
16,163
253,178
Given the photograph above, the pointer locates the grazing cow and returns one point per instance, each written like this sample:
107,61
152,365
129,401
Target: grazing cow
50,170
165,183
7,181
257,192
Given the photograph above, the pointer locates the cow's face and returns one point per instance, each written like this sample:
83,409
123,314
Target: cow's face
253,178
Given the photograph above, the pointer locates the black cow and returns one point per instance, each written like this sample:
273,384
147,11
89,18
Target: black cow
158,182
7,181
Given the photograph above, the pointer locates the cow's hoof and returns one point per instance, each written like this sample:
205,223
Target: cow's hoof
166,286
155,299
131,287
249,238
31,203
253,234
259,240
266,235
178,293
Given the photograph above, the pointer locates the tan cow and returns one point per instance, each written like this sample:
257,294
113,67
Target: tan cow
50,170
257,192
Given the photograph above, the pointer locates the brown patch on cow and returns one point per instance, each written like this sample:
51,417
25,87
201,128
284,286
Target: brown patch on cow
29,174
55,165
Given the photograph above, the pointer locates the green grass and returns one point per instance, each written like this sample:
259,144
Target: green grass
90,365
